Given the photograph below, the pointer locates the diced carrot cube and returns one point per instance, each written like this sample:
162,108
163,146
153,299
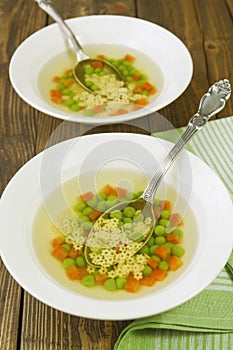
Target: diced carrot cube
97,64
153,91
100,278
121,192
137,76
121,111
173,238
174,262
98,109
159,274
56,79
148,86
175,219
129,58
101,57
76,273
162,251
108,190
95,214
68,82
165,205
59,253
87,196
137,89
132,285
142,101
152,263
58,241
148,281
68,71
73,253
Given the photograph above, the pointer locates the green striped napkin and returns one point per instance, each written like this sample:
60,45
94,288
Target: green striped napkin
206,321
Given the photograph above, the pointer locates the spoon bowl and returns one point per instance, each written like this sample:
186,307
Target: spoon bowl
110,232
82,59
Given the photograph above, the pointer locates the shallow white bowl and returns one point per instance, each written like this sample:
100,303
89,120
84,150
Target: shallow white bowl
193,187
167,60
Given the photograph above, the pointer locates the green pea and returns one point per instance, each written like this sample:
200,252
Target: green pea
165,214
88,83
80,206
127,220
66,246
80,261
60,87
137,237
69,102
89,70
111,198
88,281
163,222
178,232
92,202
157,202
89,112
163,265
147,271
129,79
129,212
159,230
168,245
87,211
110,284
66,91
156,258
116,214
67,263
178,250
138,218
101,206
160,240
75,107
120,282
145,250
121,67
152,249
101,195
94,87
151,241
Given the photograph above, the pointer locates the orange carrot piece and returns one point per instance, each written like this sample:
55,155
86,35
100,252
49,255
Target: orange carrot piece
157,212
173,238
132,285
121,192
54,92
142,101
153,91
148,86
152,263
159,274
57,241
175,219
86,196
98,108
136,76
68,82
165,205
148,281
162,251
95,214
137,89
73,253
57,100
121,111
68,71
56,79
108,189
174,262
97,64
76,273
59,253
100,278
101,57
129,58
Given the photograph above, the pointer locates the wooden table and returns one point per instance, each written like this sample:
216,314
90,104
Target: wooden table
206,29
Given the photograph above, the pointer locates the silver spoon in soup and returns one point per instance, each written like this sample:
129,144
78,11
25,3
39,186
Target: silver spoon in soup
110,236
83,61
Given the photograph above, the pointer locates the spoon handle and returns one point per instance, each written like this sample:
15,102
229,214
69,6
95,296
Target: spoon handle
48,7
211,103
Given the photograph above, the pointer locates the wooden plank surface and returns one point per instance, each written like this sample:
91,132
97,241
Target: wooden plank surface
206,29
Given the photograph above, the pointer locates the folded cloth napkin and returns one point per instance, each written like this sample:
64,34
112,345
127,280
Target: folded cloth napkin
206,321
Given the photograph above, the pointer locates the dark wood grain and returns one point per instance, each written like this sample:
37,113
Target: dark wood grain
205,27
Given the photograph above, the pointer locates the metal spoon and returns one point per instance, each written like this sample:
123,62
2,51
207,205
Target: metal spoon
211,103
82,58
